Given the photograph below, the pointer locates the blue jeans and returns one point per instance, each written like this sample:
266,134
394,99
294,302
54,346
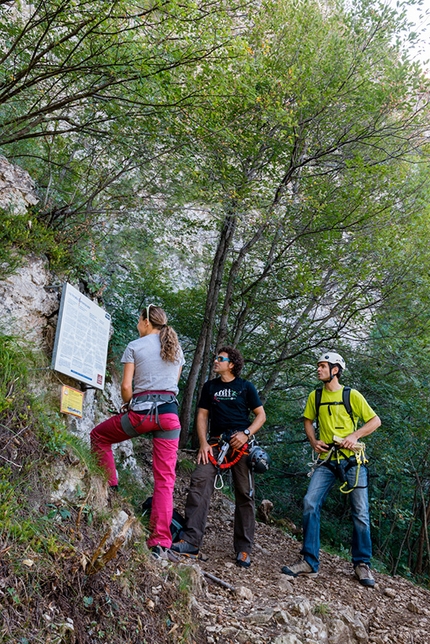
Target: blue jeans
320,485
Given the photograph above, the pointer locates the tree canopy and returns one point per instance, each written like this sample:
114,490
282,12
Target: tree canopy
259,169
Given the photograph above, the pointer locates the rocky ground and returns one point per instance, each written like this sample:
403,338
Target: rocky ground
266,606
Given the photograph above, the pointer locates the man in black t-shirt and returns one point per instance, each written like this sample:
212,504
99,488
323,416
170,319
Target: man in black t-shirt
226,402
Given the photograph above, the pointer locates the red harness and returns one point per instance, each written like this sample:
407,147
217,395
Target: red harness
232,457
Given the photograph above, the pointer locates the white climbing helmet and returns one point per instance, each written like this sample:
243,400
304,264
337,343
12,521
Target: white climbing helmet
333,358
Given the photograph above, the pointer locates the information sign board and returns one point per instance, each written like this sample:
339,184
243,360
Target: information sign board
82,337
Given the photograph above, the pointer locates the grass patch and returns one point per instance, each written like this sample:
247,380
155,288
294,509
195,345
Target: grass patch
185,466
321,610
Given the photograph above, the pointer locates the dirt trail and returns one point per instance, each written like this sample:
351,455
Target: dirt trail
395,611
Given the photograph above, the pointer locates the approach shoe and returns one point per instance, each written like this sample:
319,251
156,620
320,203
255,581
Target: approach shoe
243,560
159,552
299,569
364,576
185,548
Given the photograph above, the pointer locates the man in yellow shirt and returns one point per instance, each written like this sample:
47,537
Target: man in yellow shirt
335,420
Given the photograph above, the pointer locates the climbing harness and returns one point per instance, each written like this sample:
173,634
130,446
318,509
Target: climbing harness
335,459
225,460
227,457
150,405
257,460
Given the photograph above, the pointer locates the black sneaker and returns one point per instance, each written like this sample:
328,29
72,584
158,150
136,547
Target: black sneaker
243,560
185,548
364,576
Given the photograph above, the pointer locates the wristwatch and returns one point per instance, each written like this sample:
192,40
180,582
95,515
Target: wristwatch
247,433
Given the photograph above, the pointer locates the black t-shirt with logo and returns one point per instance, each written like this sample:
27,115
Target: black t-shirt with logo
229,404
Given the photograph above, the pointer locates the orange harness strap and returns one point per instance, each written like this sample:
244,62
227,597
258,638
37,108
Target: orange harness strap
234,459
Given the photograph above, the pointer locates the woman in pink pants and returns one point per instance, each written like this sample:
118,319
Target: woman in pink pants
152,367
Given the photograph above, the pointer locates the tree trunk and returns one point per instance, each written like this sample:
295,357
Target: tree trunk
202,352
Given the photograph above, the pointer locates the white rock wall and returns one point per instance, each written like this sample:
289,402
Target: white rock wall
26,305
29,303
17,188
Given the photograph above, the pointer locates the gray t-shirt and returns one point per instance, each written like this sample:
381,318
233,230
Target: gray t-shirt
151,373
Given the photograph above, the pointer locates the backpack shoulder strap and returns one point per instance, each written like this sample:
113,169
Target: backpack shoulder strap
346,399
318,396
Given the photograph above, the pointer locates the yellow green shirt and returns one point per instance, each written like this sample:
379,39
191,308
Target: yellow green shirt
334,420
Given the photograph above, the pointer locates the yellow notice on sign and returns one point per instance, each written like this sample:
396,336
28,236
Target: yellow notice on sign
72,401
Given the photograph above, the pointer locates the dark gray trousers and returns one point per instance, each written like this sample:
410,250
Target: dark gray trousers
199,497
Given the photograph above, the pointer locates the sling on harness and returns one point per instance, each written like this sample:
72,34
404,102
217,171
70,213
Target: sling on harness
227,457
150,406
334,461
335,456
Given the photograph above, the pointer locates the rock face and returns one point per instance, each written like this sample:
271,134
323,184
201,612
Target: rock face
28,310
27,306
17,188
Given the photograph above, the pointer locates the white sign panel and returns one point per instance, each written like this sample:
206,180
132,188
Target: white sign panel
82,337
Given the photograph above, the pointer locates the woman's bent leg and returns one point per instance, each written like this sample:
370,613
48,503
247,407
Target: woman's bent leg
103,436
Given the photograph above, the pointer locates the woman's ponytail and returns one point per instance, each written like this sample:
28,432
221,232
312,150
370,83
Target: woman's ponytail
169,344
170,349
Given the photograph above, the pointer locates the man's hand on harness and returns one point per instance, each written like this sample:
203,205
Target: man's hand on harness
238,440
202,454
319,446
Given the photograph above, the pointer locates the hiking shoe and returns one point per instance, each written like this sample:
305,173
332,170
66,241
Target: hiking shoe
243,560
185,548
159,552
299,569
364,576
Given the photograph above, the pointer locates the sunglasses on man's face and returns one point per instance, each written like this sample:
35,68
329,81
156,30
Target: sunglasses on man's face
221,359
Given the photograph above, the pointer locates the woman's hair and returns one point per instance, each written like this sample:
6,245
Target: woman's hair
170,350
235,357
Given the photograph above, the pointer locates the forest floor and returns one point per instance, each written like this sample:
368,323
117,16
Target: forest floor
394,611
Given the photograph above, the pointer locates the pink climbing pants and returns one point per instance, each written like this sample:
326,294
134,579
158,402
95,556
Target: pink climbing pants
164,453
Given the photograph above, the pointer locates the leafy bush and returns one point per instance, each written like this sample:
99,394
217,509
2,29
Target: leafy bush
23,234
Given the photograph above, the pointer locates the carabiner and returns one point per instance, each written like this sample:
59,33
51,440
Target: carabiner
219,481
